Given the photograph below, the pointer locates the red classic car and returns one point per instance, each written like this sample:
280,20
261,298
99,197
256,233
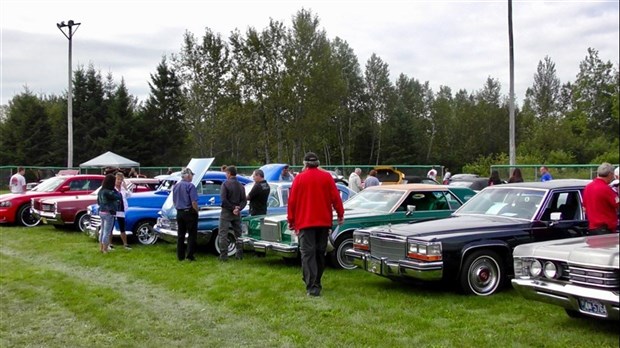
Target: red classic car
15,208
71,210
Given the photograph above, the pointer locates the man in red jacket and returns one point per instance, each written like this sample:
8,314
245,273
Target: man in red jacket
310,213
601,202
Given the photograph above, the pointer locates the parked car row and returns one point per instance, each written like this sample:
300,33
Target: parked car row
532,235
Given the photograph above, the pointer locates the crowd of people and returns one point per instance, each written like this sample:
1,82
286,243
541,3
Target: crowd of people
313,200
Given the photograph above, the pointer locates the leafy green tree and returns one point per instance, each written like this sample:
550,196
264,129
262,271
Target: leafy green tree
203,67
163,133
308,89
379,89
259,63
25,134
90,109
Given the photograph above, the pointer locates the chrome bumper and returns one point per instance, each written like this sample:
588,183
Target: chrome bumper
429,271
47,217
170,236
568,295
274,248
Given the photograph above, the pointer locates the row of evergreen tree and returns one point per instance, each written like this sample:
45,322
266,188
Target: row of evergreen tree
271,95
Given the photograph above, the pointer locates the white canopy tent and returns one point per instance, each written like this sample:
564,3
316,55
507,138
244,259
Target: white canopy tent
110,159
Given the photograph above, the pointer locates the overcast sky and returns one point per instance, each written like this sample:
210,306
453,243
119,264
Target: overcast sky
457,43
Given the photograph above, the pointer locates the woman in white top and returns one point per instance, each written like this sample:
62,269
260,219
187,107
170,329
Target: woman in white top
121,187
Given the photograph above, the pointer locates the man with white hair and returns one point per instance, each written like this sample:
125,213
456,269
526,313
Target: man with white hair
601,202
185,198
355,182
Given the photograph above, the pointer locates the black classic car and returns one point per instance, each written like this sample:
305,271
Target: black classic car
473,248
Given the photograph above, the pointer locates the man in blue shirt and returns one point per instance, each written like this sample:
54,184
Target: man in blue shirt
185,198
544,174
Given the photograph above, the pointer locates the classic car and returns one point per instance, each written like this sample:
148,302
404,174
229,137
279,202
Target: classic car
208,218
388,175
473,181
15,208
71,210
144,208
473,247
579,274
373,206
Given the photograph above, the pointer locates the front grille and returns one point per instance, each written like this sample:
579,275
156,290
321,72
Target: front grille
47,207
392,248
269,231
174,225
95,221
602,278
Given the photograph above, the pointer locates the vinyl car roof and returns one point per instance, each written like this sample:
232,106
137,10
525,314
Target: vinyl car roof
403,187
552,184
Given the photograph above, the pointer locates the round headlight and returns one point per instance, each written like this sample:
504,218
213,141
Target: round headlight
551,271
535,268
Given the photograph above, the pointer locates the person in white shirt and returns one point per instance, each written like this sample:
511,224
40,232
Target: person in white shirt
121,187
446,177
17,183
355,182
432,174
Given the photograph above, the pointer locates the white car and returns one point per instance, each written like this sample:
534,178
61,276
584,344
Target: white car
580,274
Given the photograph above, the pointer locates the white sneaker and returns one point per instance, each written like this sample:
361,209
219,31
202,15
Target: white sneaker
110,248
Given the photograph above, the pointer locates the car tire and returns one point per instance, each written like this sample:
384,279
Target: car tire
82,221
144,233
338,257
25,218
482,273
232,244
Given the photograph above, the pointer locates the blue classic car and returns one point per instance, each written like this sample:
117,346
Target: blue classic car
143,209
208,218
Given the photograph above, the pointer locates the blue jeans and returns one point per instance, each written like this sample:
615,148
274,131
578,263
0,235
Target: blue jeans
107,225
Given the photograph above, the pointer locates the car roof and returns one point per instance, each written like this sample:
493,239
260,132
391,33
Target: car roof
402,187
551,184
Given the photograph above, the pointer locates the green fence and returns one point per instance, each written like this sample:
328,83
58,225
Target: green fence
530,171
36,173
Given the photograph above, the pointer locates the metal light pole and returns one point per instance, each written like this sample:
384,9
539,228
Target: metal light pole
511,105
69,35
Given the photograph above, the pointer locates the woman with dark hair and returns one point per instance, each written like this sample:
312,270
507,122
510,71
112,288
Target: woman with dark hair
108,199
516,176
494,179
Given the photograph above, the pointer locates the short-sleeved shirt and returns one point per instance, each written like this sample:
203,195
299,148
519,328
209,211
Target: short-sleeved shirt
183,194
546,177
17,183
258,196
371,181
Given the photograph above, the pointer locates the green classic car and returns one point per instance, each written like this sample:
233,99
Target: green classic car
377,205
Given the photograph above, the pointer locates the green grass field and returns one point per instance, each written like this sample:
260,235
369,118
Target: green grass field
57,290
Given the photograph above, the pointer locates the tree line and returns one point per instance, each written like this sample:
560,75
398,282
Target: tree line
270,95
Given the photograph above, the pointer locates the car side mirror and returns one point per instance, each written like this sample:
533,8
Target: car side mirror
410,209
556,216
65,188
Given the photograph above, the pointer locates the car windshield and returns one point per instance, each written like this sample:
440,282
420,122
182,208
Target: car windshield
375,200
49,185
511,202
167,184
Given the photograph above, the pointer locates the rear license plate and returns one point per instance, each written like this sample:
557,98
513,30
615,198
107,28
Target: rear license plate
592,306
374,265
